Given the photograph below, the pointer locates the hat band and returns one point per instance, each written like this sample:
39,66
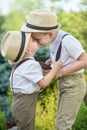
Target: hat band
41,28
21,48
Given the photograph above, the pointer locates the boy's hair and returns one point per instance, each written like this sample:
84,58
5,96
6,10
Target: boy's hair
45,33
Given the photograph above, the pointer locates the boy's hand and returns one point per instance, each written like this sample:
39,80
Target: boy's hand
45,66
59,74
48,62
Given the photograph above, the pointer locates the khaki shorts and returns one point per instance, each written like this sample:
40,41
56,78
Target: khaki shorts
72,90
23,108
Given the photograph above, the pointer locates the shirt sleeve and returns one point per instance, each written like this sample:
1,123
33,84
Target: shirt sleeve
33,72
73,47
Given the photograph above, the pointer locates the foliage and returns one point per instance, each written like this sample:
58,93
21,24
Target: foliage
26,5
74,23
4,75
42,54
84,2
2,121
46,110
13,21
81,121
2,20
4,69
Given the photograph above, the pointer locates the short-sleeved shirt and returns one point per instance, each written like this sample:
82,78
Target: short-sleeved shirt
71,49
26,76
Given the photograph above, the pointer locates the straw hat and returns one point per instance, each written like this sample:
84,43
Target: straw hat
13,45
41,20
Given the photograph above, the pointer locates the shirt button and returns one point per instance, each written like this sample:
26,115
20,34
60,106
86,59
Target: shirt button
52,52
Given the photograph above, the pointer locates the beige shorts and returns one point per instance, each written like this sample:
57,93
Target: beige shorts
72,90
23,109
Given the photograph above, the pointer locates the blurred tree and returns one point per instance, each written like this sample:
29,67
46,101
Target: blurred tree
75,23
42,54
2,20
27,5
14,20
84,2
4,82
17,16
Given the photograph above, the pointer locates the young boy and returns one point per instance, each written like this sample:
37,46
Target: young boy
27,78
45,29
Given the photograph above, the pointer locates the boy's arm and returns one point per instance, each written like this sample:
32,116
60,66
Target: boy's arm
79,64
47,79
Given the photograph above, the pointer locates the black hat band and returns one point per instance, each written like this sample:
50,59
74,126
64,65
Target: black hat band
41,28
21,48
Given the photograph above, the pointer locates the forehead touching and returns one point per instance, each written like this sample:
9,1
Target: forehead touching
39,35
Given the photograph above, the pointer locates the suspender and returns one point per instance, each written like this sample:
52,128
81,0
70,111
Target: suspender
15,68
59,49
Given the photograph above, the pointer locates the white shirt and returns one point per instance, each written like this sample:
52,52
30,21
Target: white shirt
71,49
26,76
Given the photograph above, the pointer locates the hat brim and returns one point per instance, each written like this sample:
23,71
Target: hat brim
24,28
28,35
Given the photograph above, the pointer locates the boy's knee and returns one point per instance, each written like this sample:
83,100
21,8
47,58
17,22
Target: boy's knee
62,124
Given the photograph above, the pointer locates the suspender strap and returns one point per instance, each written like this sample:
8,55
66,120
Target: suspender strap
20,63
59,49
58,52
15,68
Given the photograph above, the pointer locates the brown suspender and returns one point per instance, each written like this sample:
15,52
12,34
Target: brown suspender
59,48
15,68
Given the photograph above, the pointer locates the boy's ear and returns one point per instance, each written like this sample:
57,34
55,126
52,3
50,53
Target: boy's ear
27,51
51,34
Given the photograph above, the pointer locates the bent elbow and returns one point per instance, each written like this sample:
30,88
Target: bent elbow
42,84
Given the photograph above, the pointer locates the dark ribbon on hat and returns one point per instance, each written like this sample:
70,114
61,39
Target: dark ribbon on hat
41,28
21,48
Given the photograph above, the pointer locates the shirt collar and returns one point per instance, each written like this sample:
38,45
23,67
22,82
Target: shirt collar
57,39
32,58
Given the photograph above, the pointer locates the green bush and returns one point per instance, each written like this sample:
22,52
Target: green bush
81,121
46,110
2,121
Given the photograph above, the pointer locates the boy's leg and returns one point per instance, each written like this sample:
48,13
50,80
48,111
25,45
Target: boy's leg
24,107
72,91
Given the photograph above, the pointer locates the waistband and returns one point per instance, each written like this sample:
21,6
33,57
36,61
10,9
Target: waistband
73,75
14,94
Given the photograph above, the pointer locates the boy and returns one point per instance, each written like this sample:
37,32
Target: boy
26,77
45,29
